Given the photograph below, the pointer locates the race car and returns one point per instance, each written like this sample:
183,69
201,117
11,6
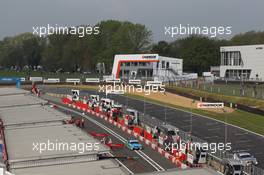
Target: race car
93,101
133,144
106,104
245,158
116,112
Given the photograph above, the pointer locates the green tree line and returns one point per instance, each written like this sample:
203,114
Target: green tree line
71,53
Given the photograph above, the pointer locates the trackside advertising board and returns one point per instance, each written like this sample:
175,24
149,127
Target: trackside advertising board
204,105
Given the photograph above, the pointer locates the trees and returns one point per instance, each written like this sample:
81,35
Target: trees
72,53
21,50
198,52
163,48
119,38
247,38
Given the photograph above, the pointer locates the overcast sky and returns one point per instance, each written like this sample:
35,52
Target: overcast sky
17,16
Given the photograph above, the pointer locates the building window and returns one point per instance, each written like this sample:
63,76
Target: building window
167,65
126,72
163,64
142,64
231,58
238,74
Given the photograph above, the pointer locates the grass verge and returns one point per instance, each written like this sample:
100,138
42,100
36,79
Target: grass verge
219,97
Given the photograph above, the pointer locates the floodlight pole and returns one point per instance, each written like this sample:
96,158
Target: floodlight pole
191,117
127,101
165,116
225,128
191,121
144,105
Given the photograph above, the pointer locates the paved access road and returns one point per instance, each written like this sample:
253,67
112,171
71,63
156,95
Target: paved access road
146,160
205,128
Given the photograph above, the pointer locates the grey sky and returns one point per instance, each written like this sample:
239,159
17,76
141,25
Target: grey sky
17,16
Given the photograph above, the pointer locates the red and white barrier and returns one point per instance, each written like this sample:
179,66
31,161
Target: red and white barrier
177,158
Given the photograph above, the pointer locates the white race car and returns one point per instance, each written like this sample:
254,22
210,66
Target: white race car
245,158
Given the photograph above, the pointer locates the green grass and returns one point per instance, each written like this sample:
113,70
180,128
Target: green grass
219,97
229,89
239,118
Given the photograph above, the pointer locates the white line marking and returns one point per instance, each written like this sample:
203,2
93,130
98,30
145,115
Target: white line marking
152,160
122,164
141,154
210,137
252,132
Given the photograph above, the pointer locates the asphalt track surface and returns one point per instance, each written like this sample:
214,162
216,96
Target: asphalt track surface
136,163
205,128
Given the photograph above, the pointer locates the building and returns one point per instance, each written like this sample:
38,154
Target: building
100,167
61,144
148,66
32,115
11,91
35,140
19,100
242,62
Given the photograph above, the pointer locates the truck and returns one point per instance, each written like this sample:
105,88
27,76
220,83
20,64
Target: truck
232,167
132,117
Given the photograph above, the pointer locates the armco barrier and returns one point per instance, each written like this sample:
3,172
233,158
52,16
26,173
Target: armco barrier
137,130
148,140
147,136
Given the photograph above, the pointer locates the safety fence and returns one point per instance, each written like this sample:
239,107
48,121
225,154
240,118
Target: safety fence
253,90
137,132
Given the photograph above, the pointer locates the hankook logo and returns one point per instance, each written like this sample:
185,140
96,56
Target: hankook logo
149,56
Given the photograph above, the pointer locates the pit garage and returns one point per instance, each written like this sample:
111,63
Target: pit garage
101,167
33,115
23,153
14,100
12,91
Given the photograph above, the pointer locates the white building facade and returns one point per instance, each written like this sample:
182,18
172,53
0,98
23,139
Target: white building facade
138,66
242,62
